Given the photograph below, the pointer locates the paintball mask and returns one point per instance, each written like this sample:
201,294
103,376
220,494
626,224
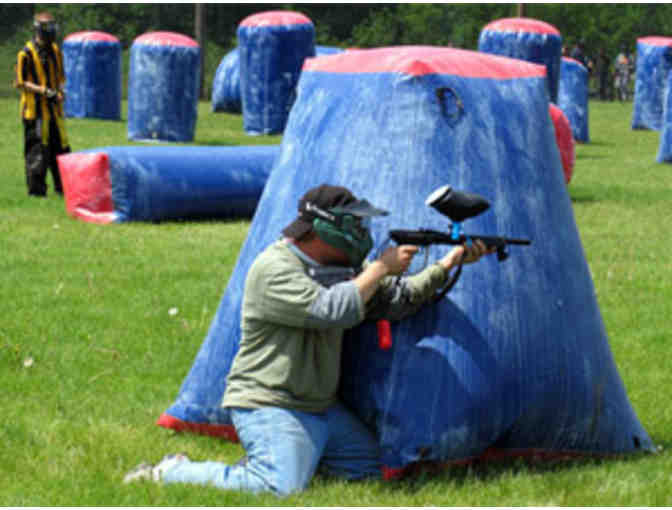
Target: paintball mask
346,227
45,28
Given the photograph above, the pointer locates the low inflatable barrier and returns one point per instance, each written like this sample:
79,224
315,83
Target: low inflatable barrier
117,184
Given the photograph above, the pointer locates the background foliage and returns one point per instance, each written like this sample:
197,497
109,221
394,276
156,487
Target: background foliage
605,26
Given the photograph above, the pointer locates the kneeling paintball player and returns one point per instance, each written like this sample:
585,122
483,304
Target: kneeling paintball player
282,386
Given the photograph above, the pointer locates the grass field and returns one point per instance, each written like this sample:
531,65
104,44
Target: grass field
90,356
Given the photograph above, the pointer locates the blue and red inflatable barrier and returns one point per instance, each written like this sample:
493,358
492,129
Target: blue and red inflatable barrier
118,184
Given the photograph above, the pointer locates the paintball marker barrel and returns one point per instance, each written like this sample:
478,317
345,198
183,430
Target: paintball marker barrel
425,237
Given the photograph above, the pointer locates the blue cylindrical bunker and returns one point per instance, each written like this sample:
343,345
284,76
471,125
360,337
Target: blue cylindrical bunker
226,84
665,144
526,39
163,86
92,62
573,97
273,46
654,62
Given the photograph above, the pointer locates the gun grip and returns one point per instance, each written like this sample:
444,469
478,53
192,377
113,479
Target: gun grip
384,335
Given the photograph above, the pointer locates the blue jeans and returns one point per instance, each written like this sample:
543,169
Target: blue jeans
284,448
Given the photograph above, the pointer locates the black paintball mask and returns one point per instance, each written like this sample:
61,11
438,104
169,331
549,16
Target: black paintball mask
46,30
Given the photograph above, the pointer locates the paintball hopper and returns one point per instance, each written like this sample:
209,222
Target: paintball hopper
457,205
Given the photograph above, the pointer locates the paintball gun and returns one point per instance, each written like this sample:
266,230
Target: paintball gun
458,206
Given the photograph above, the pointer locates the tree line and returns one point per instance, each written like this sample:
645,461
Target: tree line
362,25
600,26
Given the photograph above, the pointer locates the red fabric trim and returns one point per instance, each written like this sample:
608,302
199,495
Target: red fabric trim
528,25
573,61
165,39
207,429
489,455
86,186
274,18
422,60
656,40
89,35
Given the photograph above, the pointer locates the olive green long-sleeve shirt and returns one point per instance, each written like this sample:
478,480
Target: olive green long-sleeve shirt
292,329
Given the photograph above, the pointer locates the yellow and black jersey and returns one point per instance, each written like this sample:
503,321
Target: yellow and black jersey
43,67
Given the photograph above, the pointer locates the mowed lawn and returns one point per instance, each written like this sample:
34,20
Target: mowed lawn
90,354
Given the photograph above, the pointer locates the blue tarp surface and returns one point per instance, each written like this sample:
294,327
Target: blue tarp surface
654,62
573,97
163,85
93,79
516,356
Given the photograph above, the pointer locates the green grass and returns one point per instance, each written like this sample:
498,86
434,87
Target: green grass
89,305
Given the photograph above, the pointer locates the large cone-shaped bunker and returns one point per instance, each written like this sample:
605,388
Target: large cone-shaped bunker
527,39
516,357
654,62
92,62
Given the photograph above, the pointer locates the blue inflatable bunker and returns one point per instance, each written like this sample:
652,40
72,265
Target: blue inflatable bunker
654,62
573,97
665,145
163,86
515,359
92,62
526,39
226,84
272,47
117,184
